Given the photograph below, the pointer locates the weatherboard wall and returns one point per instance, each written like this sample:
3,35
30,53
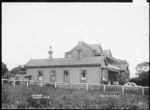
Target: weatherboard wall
93,74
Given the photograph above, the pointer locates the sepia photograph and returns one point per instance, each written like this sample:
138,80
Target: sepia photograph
80,55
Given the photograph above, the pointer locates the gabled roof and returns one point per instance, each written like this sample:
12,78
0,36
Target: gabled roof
107,52
96,47
113,66
65,61
71,49
123,66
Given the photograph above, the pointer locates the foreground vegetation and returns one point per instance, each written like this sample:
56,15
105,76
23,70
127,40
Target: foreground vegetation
68,99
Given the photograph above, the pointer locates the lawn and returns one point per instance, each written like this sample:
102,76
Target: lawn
20,97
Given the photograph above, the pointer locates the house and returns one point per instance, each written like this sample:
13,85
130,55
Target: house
21,75
84,63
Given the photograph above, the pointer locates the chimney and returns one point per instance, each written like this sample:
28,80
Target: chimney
50,53
79,50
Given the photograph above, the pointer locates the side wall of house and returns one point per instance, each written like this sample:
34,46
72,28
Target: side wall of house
93,74
124,77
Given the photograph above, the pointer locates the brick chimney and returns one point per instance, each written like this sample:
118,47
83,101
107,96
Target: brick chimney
79,50
50,53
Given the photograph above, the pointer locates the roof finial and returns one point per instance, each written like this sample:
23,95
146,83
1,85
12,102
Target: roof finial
50,48
82,36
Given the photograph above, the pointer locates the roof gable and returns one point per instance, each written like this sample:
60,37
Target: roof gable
93,47
96,47
107,52
79,43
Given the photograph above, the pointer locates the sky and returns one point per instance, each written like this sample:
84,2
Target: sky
29,29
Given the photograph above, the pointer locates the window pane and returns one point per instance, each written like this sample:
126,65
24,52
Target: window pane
40,75
65,73
52,73
83,75
66,76
40,78
53,76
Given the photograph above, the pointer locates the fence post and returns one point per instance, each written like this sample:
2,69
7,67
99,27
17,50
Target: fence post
70,85
55,85
104,88
86,86
27,83
14,82
41,84
122,89
142,90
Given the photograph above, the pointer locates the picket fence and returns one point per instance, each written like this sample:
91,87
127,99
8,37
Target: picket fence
72,85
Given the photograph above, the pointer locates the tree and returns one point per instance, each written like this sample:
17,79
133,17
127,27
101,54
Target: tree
4,69
17,69
142,67
142,74
8,75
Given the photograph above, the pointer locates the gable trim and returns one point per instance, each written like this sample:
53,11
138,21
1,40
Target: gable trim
71,49
77,45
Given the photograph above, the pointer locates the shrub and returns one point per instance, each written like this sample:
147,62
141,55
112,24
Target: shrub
68,99
49,85
4,97
34,103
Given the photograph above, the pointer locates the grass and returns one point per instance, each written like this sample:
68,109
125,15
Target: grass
67,99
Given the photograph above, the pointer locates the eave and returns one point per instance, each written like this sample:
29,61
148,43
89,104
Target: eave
60,66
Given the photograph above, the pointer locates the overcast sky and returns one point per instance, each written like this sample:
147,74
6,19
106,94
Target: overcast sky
29,29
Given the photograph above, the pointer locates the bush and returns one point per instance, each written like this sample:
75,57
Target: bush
4,97
49,85
34,103
68,99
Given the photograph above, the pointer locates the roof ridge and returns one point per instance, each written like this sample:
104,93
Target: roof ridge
106,49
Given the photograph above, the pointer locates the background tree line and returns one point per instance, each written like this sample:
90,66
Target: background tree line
6,74
142,74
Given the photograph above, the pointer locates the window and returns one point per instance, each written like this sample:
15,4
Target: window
83,76
29,77
79,54
40,76
105,75
66,76
53,76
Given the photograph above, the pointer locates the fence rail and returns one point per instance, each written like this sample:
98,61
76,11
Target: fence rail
70,85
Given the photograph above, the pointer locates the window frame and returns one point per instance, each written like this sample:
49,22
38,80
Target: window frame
64,75
42,75
83,81
51,76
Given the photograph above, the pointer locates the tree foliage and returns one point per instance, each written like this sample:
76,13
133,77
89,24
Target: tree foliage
142,67
17,69
142,74
4,69
8,75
